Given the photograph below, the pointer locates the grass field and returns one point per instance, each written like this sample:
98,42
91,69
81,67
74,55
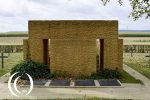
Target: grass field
129,79
13,34
138,62
134,34
10,62
15,58
16,38
12,40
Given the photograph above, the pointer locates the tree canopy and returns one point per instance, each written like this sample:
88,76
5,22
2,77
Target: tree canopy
140,8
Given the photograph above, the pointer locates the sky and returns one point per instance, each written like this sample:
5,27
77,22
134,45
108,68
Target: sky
14,14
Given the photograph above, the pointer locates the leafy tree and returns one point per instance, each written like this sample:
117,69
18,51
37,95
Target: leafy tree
140,8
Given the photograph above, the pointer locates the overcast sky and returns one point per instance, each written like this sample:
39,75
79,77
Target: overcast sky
14,14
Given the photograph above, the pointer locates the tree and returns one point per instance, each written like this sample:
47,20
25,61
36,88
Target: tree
140,8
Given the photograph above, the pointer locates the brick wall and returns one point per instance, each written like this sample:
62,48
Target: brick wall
73,44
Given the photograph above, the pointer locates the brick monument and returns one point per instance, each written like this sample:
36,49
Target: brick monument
71,45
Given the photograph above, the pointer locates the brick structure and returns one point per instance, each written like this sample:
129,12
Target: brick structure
70,45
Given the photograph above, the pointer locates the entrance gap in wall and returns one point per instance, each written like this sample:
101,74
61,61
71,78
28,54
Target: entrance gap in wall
100,54
46,55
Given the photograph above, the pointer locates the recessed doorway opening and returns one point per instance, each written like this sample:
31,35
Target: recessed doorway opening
100,54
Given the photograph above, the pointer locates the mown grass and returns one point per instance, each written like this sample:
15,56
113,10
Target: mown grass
10,62
126,78
134,34
138,62
15,58
14,34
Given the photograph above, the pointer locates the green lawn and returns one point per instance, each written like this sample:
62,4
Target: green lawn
10,62
129,79
134,34
15,58
138,62
14,34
